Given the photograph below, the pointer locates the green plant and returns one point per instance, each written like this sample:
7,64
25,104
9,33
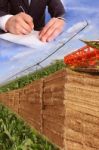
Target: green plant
21,82
15,134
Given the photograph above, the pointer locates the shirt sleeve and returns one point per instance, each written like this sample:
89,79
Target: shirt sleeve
3,21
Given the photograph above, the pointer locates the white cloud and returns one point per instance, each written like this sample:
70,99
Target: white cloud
76,27
21,55
84,9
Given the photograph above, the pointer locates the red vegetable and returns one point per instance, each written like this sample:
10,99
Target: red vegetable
85,57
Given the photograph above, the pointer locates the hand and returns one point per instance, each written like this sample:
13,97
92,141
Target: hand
20,24
51,30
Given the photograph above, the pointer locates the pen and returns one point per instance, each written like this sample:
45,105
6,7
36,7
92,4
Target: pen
22,8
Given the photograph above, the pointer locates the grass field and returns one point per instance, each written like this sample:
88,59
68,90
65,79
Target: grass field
21,82
15,134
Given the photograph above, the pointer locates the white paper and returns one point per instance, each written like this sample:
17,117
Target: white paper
30,40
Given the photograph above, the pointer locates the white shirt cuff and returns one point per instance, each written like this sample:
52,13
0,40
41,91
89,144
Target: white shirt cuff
3,21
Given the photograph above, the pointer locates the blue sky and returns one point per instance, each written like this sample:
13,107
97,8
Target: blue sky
76,11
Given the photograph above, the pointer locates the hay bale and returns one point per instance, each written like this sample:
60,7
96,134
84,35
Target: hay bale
63,106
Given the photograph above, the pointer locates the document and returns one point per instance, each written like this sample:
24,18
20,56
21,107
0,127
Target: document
31,40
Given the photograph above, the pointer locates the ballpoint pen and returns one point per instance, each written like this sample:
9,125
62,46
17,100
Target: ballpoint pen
22,8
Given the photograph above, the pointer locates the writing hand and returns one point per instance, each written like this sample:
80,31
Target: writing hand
20,24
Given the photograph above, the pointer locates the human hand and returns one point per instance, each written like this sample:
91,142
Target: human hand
20,24
51,30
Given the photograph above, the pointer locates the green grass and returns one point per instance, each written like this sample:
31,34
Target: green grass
21,82
15,134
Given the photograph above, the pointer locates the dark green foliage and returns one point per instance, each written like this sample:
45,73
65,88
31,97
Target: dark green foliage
16,135
94,44
21,82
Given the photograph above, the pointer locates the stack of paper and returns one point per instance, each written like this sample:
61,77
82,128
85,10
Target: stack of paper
30,40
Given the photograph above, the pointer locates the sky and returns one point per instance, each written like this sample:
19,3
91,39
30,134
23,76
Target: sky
84,9
14,58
